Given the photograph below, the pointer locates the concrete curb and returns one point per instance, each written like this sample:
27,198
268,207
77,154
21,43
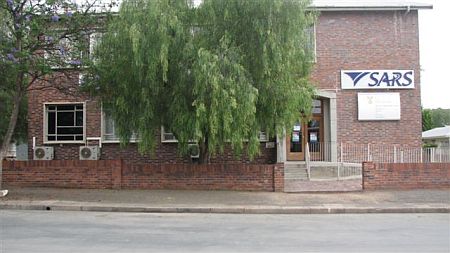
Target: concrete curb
229,210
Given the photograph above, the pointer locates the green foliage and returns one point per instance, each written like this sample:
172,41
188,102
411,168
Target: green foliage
432,118
429,145
218,73
7,72
37,37
427,122
440,117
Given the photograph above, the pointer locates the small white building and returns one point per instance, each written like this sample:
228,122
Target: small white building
439,136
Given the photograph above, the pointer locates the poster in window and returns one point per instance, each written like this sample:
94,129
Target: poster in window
295,137
313,137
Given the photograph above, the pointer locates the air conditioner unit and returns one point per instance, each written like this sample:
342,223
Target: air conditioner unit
89,152
194,150
43,153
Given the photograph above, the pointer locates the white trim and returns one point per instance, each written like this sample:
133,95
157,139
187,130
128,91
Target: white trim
45,123
326,94
371,8
163,140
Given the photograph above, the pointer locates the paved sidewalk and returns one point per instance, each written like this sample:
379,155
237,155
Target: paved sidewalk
300,186
415,201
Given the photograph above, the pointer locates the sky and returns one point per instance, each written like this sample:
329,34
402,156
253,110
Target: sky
434,32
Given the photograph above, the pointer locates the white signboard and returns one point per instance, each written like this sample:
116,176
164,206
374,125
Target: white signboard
379,106
377,79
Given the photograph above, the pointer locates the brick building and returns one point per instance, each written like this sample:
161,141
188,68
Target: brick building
366,70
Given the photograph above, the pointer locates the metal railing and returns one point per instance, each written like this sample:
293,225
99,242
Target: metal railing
320,151
308,161
346,163
380,153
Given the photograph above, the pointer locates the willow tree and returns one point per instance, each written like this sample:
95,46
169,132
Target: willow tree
217,73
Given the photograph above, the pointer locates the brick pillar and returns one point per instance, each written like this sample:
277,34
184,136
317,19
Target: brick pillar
368,169
278,177
116,174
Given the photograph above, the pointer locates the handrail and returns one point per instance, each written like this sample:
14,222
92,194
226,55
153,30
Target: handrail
308,161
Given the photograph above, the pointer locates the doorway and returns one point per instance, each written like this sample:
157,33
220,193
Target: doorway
307,131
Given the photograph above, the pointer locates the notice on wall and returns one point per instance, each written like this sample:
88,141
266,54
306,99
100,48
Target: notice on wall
379,106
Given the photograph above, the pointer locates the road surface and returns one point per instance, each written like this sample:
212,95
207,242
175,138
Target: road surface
59,231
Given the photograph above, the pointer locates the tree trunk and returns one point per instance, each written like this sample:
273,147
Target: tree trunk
12,123
204,152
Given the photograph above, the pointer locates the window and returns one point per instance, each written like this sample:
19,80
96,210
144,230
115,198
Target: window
94,40
168,137
311,41
64,123
109,133
317,106
263,137
64,53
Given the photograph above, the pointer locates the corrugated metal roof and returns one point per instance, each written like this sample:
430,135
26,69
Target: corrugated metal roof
435,133
343,5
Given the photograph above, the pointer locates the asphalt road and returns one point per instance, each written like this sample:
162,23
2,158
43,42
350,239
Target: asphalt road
53,231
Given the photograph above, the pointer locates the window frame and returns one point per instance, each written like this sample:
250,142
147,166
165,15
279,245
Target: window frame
93,40
45,123
66,41
133,139
314,43
163,139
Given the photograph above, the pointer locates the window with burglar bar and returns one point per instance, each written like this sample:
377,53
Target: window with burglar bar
64,123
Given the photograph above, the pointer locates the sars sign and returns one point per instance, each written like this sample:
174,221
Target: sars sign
377,79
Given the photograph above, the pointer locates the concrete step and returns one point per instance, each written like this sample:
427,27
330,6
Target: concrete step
295,172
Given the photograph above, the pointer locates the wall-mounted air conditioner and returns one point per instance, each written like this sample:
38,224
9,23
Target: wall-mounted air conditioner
43,153
89,152
194,150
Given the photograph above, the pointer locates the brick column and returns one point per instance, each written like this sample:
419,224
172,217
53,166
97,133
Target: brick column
368,169
116,174
278,177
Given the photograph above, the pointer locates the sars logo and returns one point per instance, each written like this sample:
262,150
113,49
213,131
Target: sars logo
377,79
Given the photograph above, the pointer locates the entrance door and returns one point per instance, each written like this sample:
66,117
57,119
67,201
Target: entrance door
296,143
310,132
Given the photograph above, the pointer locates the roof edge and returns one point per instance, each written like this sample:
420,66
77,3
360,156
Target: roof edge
436,137
372,8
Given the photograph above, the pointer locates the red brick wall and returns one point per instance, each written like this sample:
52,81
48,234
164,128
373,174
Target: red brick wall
59,173
370,40
117,174
379,176
199,177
